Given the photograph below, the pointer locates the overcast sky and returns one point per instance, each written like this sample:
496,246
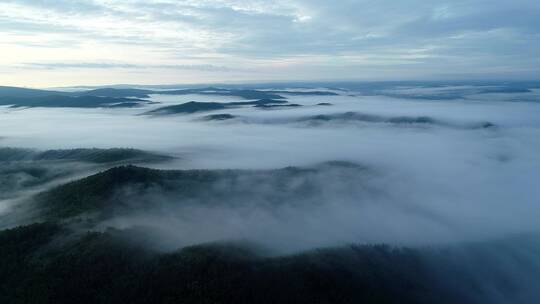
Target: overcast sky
68,42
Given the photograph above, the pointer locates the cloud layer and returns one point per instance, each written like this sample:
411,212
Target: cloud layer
223,40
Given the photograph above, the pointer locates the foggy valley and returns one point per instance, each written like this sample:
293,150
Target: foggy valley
269,151
449,180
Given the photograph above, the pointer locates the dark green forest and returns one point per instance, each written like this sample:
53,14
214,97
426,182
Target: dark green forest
48,263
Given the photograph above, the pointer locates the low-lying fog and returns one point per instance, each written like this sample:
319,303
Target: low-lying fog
465,181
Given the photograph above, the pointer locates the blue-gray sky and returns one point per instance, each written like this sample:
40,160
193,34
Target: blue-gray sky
70,42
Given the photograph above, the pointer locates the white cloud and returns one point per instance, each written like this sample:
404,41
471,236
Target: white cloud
352,36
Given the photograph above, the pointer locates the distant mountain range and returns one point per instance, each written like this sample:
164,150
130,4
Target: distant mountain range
194,106
123,97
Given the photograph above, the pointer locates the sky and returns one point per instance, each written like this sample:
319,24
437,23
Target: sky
49,43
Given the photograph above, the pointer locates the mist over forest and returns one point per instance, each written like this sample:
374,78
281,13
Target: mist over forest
387,192
269,151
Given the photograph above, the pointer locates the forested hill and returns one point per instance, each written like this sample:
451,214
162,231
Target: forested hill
41,264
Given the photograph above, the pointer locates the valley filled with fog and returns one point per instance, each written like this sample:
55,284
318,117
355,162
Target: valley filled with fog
268,152
443,163
287,167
